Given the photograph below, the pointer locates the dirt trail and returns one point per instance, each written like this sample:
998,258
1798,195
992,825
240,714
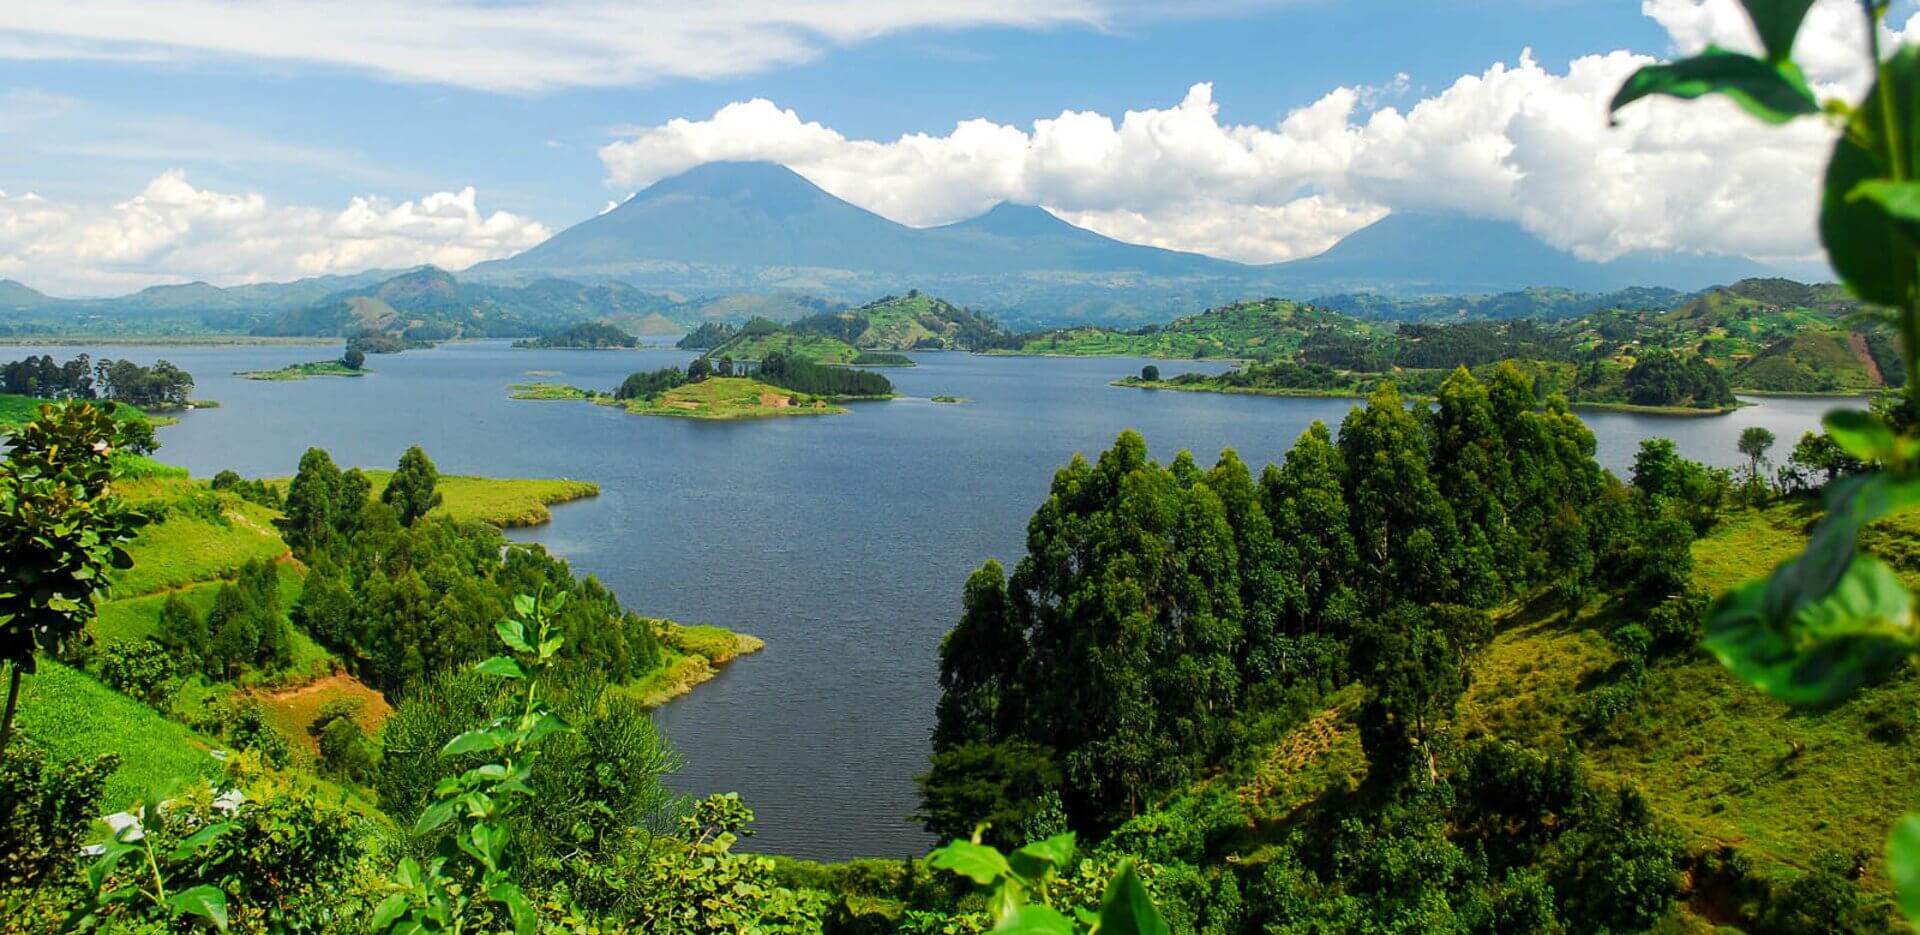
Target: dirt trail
1858,342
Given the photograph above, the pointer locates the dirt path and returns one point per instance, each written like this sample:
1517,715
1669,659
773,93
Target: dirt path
1858,342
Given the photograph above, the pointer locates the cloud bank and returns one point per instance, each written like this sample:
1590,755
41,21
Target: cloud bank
1518,141
172,231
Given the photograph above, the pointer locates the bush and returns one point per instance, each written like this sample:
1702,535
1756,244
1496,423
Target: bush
140,668
47,812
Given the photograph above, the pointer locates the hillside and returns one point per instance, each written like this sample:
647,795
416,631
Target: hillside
905,323
1268,328
760,337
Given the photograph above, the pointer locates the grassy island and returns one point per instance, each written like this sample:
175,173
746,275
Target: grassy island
715,398
318,368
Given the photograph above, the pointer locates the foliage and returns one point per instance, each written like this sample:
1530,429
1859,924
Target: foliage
472,870
61,528
46,812
709,335
587,334
410,491
1020,889
161,386
648,384
142,669
802,375
142,889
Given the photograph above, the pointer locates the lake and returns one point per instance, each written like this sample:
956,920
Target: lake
843,541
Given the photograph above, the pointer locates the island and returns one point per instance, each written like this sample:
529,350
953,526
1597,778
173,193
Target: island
715,398
318,368
586,335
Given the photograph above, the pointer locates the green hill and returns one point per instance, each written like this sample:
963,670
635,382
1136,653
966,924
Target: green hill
1811,362
760,337
1266,328
904,323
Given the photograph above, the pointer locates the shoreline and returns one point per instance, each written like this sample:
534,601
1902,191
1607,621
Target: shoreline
1292,393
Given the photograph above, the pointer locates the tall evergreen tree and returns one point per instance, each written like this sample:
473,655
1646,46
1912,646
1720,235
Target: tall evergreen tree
980,663
312,513
411,490
1402,525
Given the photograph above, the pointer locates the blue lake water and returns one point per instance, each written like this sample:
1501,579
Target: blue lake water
843,541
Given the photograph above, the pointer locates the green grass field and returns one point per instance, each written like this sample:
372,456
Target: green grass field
188,548
15,409
556,391
71,715
818,348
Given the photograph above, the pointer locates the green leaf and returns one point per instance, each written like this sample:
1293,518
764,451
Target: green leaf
976,862
523,605
1127,910
204,901
509,895
433,817
1863,242
514,634
102,868
474,741
1777,22
200,839
389,912
1041,857
1775,92
1903,865
1860,434
1036,920
1822,650
503,666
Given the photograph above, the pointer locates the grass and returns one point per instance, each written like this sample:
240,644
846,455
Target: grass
818,348
318,368
882,359
1723,761
292,711
16,409
188,548
694,655
71,715
550,391
507,502
136,618
728,398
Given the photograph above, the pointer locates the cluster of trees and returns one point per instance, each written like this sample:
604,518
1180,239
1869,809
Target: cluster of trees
1155,602
1662,378
367,342
246,628
647,384
161,386
403,594
590,334
805,376
708,336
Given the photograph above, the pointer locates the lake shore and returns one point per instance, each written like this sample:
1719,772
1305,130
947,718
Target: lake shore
1306,393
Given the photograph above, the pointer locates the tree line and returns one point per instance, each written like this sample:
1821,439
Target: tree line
161,386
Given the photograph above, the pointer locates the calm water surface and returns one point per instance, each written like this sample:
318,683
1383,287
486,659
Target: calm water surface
843,541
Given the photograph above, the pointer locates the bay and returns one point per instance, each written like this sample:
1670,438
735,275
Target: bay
843,541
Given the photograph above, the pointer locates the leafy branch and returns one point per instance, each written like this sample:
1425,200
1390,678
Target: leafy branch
1020,886
472,867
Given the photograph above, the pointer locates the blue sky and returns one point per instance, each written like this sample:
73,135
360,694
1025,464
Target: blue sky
164,140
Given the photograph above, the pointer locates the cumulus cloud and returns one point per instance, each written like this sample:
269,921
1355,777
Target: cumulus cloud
1519,141
172,232
522,46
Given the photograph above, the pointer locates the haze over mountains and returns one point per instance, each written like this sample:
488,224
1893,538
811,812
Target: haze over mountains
725,229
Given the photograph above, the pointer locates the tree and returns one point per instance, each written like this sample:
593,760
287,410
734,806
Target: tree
1817,451
183,632
411,490
1402,524
354,358
1754,442
1415,661
61,529
726,366
1150,374
699,370
980,662
139,668
313,505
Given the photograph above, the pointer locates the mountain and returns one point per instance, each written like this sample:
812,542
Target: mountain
903,323
14,296
760,227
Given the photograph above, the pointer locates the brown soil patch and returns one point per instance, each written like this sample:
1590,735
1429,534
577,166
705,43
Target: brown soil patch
775,400
1858,342
293,709
1301,748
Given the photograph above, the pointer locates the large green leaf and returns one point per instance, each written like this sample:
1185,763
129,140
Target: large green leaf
1773,91
1127,910
1823,649
1864,243
204,901
1042,857
1036,920
1777,22
1861,434
976,862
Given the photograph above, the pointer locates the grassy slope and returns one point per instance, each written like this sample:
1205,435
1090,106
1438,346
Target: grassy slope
15,409
724,398
185,549
1815,361
1720,759
1265,328
509,502
72,715
815,347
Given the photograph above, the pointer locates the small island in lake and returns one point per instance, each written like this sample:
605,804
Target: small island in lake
586,335
318,368
779,386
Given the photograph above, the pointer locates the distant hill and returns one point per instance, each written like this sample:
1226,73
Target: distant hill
759,227
760,338
904,323
15,296
1267,328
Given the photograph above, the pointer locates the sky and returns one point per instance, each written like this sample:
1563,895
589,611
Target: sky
155,141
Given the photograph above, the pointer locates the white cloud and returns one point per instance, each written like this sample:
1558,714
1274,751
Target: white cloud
520,46
1517,141
174,232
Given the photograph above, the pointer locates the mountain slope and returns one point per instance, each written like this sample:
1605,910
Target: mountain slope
904,323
